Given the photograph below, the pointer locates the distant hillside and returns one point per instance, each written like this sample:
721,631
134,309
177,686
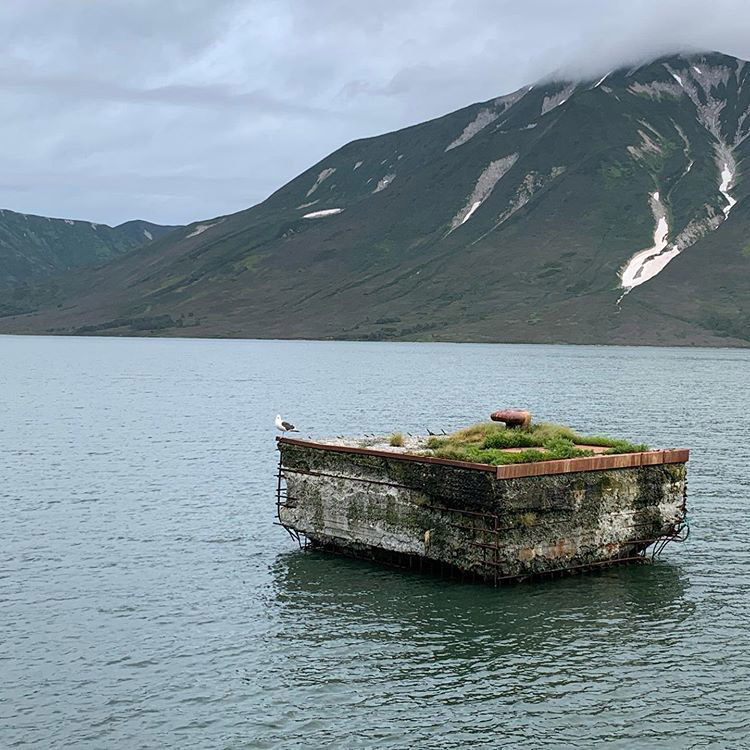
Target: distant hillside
605,211
32,247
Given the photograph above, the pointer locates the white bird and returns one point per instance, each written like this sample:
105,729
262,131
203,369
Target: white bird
283,425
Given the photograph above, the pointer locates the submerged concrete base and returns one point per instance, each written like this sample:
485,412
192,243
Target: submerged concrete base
463,518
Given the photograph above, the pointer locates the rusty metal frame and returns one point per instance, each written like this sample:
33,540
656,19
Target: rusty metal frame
281,495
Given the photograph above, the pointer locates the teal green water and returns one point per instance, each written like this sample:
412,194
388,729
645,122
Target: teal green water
148,601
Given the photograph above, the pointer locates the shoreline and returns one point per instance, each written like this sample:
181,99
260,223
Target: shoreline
613,345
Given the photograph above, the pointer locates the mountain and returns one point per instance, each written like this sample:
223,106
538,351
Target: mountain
32,247
605,211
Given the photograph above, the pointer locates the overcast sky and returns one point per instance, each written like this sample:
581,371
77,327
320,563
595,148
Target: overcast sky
177,110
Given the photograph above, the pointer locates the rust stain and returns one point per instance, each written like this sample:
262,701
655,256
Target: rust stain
561,548
517,471
592,463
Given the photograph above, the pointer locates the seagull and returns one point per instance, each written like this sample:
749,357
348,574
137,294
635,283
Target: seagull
283,425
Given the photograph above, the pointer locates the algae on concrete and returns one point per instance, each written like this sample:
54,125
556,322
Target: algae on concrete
468,520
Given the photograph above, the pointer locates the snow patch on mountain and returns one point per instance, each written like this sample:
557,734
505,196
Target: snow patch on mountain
322,213
358,165
473,208
69,221
646,264
202,228
532,183
148,234
485,184
307,205
487,116
712,76
708,109
550,102
601,80
727,178
384,182
484,118
322,177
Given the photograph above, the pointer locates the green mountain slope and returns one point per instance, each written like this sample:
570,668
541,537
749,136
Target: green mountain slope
33,247
523,218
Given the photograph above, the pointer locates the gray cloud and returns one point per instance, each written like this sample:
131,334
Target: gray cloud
75,88
183,109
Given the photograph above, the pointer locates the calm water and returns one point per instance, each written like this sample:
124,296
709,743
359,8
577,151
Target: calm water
148,601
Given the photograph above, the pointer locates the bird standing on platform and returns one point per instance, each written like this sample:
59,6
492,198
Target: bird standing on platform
283,425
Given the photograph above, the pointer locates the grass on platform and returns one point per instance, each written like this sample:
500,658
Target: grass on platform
484,443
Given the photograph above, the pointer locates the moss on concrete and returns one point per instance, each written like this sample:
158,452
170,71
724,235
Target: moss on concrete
488,442
470,520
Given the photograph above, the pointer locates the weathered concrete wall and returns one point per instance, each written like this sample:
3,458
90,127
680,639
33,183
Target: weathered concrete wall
468,519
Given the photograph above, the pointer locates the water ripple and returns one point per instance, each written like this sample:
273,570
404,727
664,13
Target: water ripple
149,601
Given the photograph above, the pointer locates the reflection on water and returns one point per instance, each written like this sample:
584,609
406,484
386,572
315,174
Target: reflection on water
319,599
322,590
148,601
410,643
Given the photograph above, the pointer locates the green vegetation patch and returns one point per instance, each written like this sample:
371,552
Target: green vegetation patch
487,443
